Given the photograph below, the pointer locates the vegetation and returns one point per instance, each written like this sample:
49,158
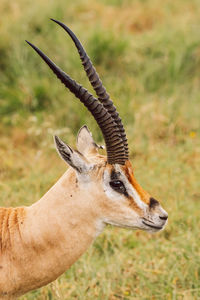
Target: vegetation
148,55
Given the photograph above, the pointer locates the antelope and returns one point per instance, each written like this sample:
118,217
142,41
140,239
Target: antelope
40,242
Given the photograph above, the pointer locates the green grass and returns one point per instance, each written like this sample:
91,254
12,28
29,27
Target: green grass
148,56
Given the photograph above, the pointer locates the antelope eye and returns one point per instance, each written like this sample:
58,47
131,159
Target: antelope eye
118,185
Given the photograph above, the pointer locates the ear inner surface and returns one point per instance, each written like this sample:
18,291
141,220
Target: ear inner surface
75,159
85,142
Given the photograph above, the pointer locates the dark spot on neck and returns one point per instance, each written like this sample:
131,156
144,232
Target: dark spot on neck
76,182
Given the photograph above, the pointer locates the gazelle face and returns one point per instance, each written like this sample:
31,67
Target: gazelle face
113,189
128,205
125,203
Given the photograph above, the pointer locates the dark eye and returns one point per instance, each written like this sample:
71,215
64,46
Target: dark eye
118,186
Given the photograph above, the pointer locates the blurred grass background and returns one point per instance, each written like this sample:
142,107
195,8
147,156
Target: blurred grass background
148,55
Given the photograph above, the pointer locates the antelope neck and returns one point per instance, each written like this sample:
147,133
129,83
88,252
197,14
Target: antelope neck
56,231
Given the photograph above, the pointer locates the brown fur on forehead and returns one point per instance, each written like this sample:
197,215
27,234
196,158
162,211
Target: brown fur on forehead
128,170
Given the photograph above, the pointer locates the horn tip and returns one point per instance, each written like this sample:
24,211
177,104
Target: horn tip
56,21
30,44
53,20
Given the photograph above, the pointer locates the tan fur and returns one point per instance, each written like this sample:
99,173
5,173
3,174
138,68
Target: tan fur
40,242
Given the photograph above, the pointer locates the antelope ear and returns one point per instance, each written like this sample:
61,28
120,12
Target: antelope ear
74,158
85,143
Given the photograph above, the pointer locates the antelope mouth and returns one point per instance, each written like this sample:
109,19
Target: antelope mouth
152,226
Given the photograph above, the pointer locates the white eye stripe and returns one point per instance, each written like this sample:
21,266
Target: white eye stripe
130,189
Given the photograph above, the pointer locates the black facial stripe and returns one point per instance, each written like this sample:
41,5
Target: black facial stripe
114,175
153,203
114,179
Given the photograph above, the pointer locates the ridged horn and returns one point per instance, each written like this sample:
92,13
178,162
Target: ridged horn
110,130
96,83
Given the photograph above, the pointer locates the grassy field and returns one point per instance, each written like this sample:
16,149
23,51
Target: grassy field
148,55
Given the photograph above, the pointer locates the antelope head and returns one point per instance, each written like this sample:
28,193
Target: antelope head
107,181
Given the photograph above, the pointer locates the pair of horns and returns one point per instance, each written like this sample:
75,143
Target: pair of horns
102,109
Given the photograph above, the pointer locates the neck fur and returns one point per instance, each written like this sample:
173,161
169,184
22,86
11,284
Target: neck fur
54,233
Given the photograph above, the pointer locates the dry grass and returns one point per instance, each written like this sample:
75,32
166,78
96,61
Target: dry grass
151,68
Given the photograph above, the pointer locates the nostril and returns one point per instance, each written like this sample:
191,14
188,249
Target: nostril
163,218
153,203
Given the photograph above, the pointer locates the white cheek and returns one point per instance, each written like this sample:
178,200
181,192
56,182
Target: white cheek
112,194
122,215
